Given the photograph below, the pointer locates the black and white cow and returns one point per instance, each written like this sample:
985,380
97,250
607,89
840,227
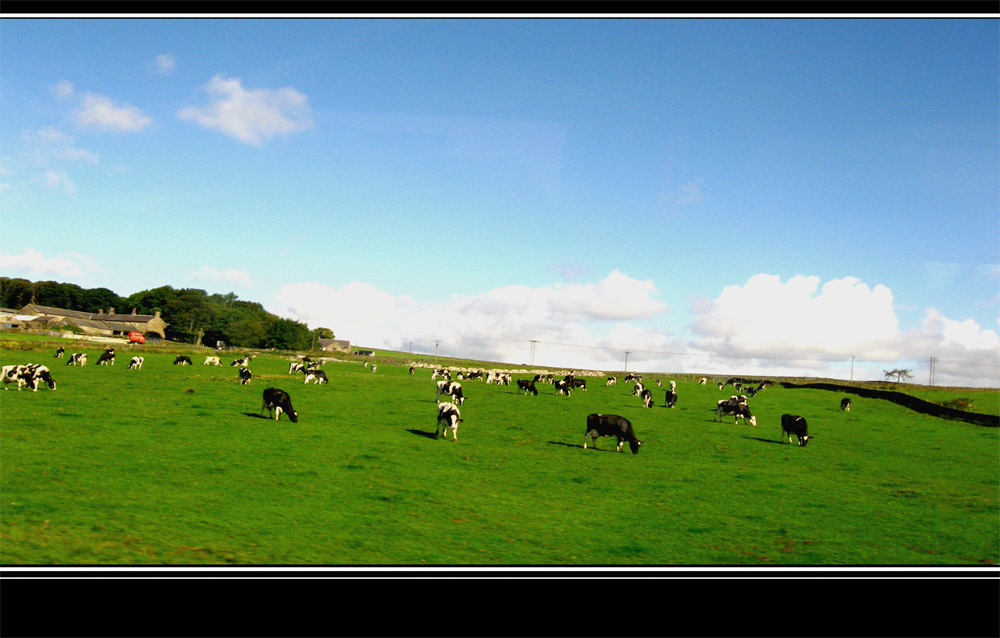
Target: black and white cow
452,388
611,425
295,366
411,369
243,363
136,363
527,386
182,360
441,373
277,401
106,357
563,388
28,375
448,416
637,389
633,377
580,383
702,381
77,358
793,425
245,376
647,398
316,376
671,399
60,351
212,361
845,404
739,409
612,382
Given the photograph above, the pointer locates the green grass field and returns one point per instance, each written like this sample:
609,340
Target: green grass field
173,466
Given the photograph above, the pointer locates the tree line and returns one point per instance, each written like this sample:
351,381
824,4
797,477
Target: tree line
192,315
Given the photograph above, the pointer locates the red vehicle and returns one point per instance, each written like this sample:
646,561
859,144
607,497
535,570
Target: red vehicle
136,337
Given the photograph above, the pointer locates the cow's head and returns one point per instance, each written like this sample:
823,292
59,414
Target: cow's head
804,439
634,445
753,420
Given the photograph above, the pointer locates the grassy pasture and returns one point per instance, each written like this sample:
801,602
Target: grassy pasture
172,465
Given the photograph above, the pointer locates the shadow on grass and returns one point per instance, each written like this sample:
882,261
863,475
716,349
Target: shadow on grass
429,435
256,416
579,445
757,438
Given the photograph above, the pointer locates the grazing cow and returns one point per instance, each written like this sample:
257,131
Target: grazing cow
243,363
317,376
580,383
294,367
647,398
633,377
659,383
212,361
612,382
41,373
108,355
527,386
277,401
702,381
611,425
411,369
733,406
245,376
136,363
448,416
374,366
77,358
722,385
60,351
563,388
441,373
452,388
673,386
28,375
845,404
637,389
794,426
671,398
182,360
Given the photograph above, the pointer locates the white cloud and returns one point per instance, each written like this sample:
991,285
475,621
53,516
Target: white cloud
165,63
250,115
100,112
495,323
764,327
49,144
228,275
769,317
63,89
33,263
58,180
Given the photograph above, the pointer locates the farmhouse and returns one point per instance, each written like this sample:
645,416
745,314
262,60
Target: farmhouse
109,324
335,345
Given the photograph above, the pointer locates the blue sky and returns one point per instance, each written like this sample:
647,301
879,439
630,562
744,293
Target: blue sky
780,191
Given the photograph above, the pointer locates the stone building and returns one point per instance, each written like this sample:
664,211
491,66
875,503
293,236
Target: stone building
109,324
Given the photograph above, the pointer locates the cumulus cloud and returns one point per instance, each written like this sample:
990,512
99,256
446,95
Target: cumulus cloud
228,275
33,263
250,115
766,316
165,63
766,326
101,113
495,323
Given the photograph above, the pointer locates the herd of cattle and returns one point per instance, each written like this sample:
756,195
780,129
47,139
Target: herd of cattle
277,401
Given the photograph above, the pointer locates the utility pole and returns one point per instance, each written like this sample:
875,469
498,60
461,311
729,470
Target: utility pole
531,358
934,361
852,367
436,342
626,360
